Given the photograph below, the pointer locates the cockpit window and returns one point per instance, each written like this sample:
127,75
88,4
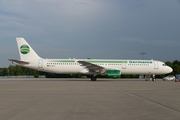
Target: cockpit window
164,65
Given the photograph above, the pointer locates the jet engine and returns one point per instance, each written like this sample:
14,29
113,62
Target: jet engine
113,73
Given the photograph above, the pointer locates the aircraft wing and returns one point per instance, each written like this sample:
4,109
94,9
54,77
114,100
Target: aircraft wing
18,61
92,67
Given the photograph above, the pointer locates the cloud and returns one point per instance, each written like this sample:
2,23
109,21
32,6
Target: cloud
90,25
49,8
132,40
149,42
54,15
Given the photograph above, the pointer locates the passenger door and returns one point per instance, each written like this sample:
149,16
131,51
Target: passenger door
40,64
156,66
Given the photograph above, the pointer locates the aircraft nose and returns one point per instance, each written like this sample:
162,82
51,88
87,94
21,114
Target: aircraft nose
170,69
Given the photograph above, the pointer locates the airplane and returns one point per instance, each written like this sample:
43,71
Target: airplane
111,68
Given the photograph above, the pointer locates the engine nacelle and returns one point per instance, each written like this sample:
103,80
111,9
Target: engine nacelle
113,73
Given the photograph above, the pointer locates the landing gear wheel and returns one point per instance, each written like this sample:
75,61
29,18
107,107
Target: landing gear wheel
93,78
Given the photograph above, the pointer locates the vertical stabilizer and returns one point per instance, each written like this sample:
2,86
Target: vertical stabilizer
25,50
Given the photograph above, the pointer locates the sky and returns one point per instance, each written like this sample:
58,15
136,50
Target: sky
97,29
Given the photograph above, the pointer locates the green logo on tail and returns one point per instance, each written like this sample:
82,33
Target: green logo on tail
24,49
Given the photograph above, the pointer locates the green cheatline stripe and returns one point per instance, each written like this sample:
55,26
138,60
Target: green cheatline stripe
140,62
105,61
91,61
62,61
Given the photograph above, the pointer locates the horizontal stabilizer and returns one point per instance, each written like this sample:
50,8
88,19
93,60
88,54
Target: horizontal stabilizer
18,61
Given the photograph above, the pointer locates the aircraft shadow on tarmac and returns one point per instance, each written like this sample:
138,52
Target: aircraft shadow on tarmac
76,79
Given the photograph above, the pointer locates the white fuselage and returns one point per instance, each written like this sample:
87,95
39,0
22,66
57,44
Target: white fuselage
71,66
94,67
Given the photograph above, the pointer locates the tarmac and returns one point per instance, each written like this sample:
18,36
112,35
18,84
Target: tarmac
82,99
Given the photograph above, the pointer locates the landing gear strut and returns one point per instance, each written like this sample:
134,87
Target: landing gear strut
153,78
150,77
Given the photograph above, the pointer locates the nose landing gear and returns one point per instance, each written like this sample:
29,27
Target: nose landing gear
150,77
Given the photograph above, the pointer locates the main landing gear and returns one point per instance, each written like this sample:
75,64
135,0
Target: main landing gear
150,77
93,78
153,78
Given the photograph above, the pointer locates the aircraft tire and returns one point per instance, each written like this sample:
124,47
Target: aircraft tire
93,79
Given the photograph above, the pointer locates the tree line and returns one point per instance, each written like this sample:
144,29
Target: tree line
15,70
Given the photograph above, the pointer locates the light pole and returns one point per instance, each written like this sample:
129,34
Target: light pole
142,55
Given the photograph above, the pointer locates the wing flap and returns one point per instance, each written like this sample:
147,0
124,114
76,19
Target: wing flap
92,67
